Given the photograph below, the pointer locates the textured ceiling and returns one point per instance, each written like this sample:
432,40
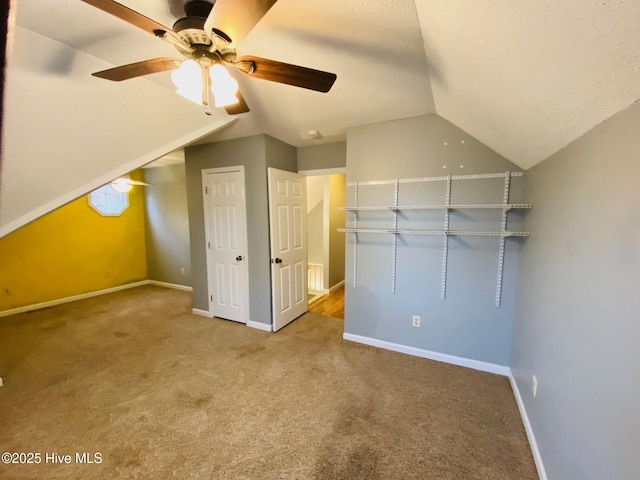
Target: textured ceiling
525,78
375,48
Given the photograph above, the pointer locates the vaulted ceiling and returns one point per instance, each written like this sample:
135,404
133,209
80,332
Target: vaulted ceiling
526,78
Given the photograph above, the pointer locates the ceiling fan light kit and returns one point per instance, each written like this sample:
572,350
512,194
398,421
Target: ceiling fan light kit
125,184
208,51
121,185
194,81
223,86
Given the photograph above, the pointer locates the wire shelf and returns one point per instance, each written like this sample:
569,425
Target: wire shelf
410,231
446,232
498,206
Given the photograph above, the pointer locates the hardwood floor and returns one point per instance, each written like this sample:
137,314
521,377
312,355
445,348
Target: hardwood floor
331,305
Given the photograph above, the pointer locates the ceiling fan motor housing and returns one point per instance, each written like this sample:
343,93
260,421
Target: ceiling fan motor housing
191,28
198,8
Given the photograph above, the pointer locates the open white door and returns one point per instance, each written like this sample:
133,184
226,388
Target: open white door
226,235
287,229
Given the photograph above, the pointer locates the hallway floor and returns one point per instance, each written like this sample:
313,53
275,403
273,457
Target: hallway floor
330,305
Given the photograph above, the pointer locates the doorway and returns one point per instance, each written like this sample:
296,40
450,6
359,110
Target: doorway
326,194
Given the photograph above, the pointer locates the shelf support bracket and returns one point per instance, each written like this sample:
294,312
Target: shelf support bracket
395,237
355,236
505,201
445,241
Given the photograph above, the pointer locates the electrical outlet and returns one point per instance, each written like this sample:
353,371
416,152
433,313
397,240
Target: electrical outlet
416,321
534,386
182,271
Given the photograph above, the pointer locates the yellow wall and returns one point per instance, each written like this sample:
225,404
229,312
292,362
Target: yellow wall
73,250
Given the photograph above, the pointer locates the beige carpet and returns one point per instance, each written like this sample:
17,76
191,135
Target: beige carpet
161,393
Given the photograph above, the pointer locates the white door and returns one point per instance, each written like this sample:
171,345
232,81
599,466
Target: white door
226,236
287,229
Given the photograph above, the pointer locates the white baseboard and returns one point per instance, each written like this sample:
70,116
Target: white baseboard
537,458
252,324
171,285
316,296
258,325
336,286
73,298
431,355
202,313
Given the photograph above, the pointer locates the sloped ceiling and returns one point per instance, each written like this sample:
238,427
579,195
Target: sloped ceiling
525,78
66,133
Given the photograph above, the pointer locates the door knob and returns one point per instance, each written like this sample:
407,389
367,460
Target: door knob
278,260
239,258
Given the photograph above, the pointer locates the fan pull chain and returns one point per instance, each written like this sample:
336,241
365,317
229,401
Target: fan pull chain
206,88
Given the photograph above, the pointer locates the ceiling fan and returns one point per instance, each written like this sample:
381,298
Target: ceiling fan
206,37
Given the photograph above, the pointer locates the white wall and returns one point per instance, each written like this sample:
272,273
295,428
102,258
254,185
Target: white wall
316,186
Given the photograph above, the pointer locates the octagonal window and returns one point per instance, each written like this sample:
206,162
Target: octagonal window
108,202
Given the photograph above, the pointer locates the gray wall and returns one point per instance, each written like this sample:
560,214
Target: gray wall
577,318
280,155
467,324
326,155
167,224
255,154
251,153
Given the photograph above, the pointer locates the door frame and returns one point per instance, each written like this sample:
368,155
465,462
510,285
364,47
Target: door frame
318,172
207,239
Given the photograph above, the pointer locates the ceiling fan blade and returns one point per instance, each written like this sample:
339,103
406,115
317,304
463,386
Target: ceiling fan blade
240,107
134,18
286,73
236,18
125,72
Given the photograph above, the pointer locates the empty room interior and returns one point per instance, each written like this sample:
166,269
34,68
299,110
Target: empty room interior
326,240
